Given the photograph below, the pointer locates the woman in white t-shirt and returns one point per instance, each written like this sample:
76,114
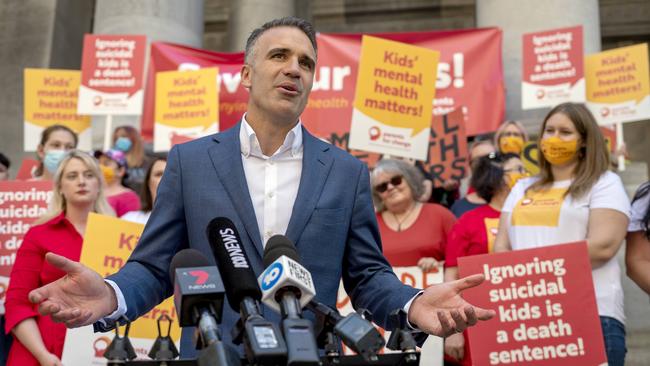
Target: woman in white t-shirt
637,252
574,197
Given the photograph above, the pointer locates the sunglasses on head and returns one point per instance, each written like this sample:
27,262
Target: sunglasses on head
395,181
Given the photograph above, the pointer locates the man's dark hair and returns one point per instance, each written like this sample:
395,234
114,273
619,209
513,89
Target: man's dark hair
301,24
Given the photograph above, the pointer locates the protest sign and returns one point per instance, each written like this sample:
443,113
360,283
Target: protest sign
618,84
187,106
530,157
21,203
27,168
392,105
448,155
545,304
51,98
432,349
112,71
108,243
552,68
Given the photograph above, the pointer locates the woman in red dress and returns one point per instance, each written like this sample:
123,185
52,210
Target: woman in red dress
77,192
412,233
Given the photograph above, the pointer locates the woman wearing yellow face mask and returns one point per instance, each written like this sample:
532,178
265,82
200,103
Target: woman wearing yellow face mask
122,199
579,199
510,138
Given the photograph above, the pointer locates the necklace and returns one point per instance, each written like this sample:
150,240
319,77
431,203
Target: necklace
406,216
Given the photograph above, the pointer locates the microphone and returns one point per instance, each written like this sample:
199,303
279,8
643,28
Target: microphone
356,332
198,298
287,287
263,342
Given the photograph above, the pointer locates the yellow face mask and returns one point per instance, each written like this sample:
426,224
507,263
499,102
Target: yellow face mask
109,174
557,151
511,144
513,178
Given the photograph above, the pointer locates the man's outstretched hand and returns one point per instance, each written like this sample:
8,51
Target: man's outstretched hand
79,298
441,311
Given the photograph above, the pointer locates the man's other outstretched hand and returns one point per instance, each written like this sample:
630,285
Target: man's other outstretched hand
441,311
79,298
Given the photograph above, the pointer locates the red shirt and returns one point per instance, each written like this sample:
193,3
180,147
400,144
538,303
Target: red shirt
31,271
427,236
472,234
124,202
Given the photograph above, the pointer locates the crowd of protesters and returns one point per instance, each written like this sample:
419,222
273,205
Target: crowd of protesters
484,213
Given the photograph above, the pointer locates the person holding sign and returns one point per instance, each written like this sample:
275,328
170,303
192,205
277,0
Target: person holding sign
574,198
56,140
480,147
269,176
637,252
77,192
474,233
413,233
511,137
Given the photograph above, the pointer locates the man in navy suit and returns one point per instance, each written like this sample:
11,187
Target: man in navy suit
269,176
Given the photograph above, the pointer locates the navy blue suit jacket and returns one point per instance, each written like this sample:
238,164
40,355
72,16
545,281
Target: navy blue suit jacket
332,224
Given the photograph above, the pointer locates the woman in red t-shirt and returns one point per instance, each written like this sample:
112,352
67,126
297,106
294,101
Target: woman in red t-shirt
77,192
413,233
475,231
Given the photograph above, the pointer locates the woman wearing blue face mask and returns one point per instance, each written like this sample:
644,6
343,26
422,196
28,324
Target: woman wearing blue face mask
127,140
56,141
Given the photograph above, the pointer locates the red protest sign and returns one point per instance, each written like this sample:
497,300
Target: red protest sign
112,71
552,68
20,204
447,148
545,304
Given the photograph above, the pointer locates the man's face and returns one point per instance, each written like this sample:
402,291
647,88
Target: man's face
280,74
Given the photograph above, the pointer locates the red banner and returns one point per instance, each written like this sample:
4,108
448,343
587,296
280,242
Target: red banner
20,204
545,304
470,74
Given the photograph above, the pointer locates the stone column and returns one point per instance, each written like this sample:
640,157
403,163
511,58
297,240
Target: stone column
34,34
246,15
516,17
160,20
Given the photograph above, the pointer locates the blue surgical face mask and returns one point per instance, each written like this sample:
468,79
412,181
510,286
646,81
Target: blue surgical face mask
123,144
52,160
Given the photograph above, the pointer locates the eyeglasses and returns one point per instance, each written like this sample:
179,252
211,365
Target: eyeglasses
394,181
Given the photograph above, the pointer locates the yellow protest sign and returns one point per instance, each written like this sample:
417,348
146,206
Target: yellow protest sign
187,106
393,102
108,243
50,97
618,84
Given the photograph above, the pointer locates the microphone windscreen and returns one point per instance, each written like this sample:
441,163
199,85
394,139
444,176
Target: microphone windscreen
187,258
277,246
234,266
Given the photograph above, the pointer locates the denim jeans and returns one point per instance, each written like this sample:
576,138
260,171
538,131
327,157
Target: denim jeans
614,334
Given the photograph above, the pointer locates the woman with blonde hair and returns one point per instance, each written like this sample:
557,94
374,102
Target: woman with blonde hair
511,137
77,192
575,197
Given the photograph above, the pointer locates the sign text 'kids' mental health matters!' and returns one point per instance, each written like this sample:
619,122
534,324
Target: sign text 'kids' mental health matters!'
50,97
545,304
552,68
618,84
108,243
187,106
21,203
112,71
394,98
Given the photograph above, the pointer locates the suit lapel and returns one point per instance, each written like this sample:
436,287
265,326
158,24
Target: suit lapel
226,158
316,164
